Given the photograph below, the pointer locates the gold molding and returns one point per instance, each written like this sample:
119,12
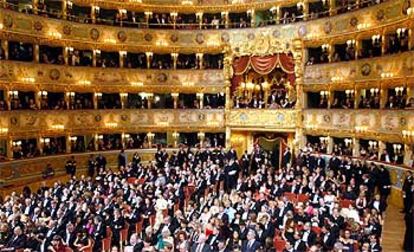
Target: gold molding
66,78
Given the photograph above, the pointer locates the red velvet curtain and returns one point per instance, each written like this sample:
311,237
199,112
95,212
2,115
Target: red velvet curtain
263,65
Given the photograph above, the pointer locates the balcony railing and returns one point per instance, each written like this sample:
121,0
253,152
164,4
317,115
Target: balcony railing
386,125
396,66
65,78
30,123
31,28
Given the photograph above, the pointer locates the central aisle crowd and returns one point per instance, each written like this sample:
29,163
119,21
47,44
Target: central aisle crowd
205,200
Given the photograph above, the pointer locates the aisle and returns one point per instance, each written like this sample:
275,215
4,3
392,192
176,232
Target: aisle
394,228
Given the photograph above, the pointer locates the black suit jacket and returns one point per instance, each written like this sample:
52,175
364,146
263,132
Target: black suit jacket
17,242
255,246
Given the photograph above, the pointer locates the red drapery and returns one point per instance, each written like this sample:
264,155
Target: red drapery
263,65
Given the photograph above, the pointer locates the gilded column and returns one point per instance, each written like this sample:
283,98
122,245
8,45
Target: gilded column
383,96
355,147
174,57
7,99
39,144
228,73
38,98
330,145
175,98
36,53
305,10
5,46
381,148
299,66
332,7
200,97
278,15
253,18
9,146
95,100
228,138
35,4
68,144
93,14
64,9
93,58
149,58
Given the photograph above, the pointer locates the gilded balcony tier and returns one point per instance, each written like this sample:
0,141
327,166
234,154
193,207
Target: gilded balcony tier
14,75
192,6
36,29
263,119
384,125
396,67
80,122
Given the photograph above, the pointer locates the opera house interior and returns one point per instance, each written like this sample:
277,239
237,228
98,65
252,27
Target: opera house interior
206,125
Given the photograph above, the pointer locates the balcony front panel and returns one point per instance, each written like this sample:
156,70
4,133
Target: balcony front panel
263,119
57,77
375,69
191,6
30,123
35,29
386,125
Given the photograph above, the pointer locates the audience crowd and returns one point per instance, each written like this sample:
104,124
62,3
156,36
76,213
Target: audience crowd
205,200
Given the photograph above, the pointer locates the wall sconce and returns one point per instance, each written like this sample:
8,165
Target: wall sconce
372,144
199,56
69,49
200,95
14,94
150,136
175,135
125,136
55,35
374,91
410,11
348,142
28,79
84,82
201,135
148,14
97,52
375,38
123,95
300,5
122,53
1,26
69,4
136,83
100,137
401,32
98,95
337,79
17,143
224,14
111,124
149,55
45,140
351,42
187,2
174,55
324,140
58,126
73,138
324,94
157,98
43,94
173,15
397,148
70,94
408,135
143,95
387,75
188,83
175,95
361,129
96,9
199,16
135,1
399,90
349,92
325,47
273,10
122,11
249,12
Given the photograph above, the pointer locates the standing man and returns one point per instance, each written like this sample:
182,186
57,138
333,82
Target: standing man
71,166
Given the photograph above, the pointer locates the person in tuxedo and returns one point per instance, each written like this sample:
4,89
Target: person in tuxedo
373,244
70,166
99,234
407,191
328,238
122,159
308,236
92,166
17,241
251,244
287,157
68,235
101,160
201,245
299,244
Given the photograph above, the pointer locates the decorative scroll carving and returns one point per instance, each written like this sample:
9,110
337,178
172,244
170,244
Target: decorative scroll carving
268,119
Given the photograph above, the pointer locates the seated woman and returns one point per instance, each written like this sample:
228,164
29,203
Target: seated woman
57,245
83,241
